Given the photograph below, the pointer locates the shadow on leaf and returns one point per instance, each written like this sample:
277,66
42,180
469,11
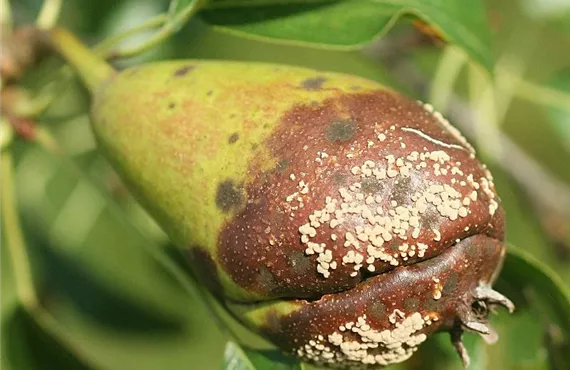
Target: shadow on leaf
27,346
100,302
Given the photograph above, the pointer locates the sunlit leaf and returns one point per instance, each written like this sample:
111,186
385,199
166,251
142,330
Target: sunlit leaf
351,24
560,116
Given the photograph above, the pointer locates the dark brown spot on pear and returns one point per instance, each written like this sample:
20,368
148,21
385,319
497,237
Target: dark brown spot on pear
233,138
314,83
205,269
411,304
339,179
183,71
371,186
377,310
299,262
403,190
229,196
340,130
266,279
282,165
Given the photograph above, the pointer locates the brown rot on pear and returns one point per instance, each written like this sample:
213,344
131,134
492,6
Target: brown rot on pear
337,218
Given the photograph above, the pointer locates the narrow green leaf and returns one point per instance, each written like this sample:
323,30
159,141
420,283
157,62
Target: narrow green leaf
438,353
539,332
561,117
31,347
176,6
8,297
351,24
524,274
176,9
239,358
521,342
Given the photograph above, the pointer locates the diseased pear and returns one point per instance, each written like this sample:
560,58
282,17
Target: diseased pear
339,219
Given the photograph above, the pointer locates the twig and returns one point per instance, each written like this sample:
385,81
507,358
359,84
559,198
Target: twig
14,236
483,101
543,95
528,172
5,16
49,14
19,259
448,68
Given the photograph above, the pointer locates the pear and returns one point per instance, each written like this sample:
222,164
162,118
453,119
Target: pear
334,216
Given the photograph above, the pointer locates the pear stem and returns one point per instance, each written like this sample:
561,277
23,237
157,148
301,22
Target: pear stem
93,70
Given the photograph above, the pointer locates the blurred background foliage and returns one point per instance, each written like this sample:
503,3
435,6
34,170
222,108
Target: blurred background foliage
110,288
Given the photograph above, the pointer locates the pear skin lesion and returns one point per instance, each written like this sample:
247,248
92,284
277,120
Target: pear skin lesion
282,165
313,83
205,269
229,196
233,138
341,130
183,71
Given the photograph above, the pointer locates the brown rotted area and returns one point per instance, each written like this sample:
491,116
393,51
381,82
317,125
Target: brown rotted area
205,269
407,290
183,71
229,196
261,247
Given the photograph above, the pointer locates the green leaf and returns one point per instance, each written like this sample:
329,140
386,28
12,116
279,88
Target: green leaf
119,303
177,6
239,358
8,296
521,342
543,308
557,13
352,24
524,274
32,347
438,353
561,117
